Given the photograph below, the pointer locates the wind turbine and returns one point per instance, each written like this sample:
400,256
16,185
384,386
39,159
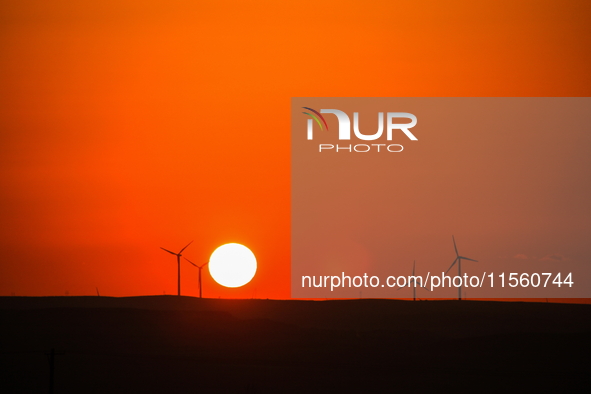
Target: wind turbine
414,283
178,260
200,267
459,261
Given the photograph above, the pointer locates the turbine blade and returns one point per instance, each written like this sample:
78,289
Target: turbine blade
185,247
452,264
204,265
425,288
465,258
455,247
192,263
169,251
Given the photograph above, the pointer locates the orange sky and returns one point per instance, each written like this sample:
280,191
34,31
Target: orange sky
130,125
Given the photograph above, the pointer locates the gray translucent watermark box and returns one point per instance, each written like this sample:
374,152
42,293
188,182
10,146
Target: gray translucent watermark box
441,197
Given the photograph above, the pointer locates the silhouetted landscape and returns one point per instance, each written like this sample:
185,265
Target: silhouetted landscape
189,345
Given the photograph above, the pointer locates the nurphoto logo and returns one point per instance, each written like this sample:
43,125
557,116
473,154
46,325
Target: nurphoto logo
344,130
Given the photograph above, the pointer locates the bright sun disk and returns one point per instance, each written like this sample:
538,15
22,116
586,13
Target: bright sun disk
232,265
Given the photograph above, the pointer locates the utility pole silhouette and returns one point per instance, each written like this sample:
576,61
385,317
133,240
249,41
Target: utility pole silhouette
51,358
200,267
178,259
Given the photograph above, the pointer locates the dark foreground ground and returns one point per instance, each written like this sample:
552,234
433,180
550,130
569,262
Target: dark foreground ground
168,344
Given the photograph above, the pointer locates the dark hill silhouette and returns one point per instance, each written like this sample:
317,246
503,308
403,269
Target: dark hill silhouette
188,345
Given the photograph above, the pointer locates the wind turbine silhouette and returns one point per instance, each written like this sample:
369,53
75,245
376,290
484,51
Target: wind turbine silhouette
178,260
459,261
200,267
414,283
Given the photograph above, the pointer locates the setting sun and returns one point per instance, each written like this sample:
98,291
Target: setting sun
232,265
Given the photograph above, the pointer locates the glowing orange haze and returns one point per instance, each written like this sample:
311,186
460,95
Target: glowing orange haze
130,125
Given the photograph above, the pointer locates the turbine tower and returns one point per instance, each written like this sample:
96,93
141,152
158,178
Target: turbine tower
459,261
414,283
200,267
178,260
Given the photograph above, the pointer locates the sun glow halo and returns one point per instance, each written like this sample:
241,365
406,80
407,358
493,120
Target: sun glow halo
232,265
